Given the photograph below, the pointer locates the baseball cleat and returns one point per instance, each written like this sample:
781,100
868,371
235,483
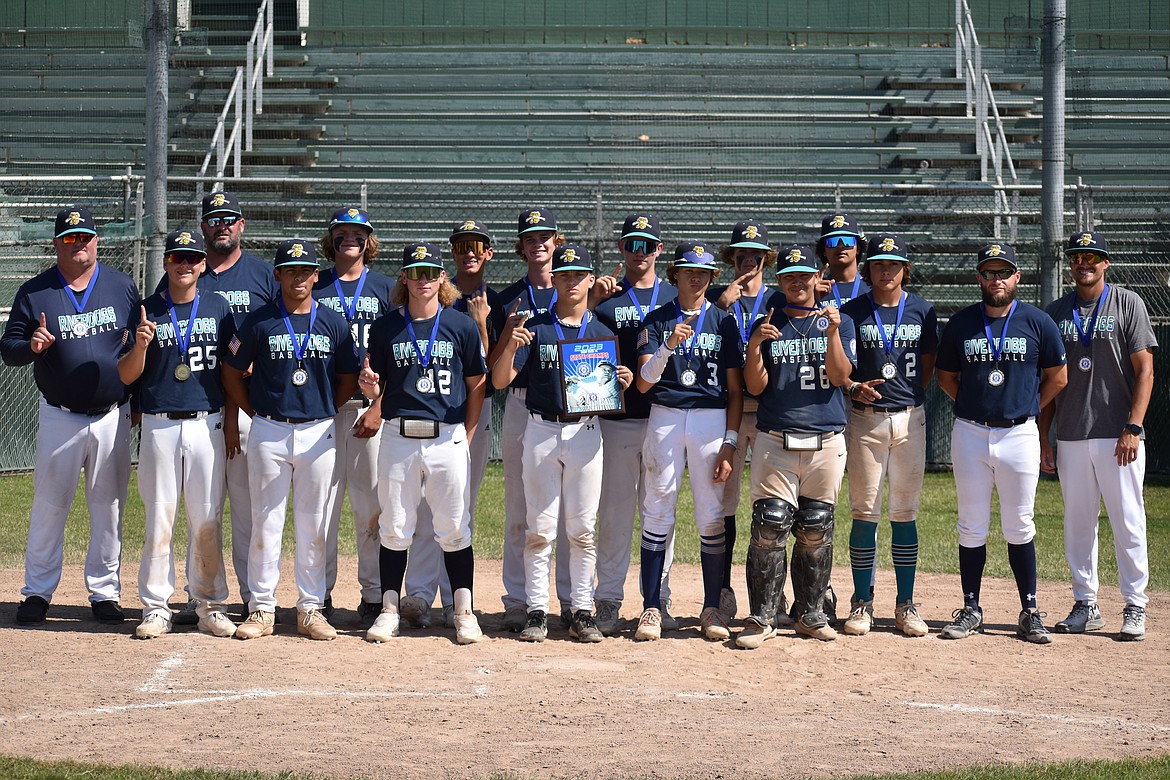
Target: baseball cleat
368,612
782,618
1133,623
608,617
448,616
467,630
152,627
860,619
1031,628
964,623
566,617
32,611
217,624
584,628
187,616
536,628
313,624
1085,616
755,632
385,626
714,625
107,612
415,611
515,618
908,621
669,621
727,604
816,628
258,624
649,626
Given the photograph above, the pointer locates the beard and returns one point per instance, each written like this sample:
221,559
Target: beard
1001,299
225,244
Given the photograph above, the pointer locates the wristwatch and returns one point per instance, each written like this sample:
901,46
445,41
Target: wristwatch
1136,430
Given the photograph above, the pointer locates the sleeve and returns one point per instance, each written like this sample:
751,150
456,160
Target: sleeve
347,352
732,339
226,327
1051,344
242,347
378,345
649,338
16,344
948,357
129,336
471,350
848,333
1139,334
928,344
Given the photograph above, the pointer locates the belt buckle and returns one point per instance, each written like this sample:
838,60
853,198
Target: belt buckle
418,428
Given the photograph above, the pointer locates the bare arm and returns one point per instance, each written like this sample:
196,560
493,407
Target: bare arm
236,389
1053,381
948,382
475,386
1143,369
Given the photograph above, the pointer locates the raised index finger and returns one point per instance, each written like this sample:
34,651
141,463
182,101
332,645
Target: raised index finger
44,324
690,319
515,308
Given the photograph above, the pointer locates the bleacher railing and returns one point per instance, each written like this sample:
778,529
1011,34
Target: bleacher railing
245,99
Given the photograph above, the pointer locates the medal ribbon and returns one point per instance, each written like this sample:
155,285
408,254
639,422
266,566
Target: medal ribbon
532,297
746,328
1086,333
184,339
350,311
888,344
299,347
580,330
80,307
692,343
856,289
996,346
424,358
637,306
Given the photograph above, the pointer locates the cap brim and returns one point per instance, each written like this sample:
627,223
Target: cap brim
207,214
640,234
700,266
899,258
549,228
286,263
1091,249
200,252
423,264
584,268
750,245
90,231
797,269
365,225
471,233
841,233
987,260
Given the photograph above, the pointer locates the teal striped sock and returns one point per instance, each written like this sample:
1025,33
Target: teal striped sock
862,557
904,551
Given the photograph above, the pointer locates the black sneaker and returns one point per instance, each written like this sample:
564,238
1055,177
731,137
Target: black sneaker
187,616
327,608
566,617
32,611
536,629
368,612
107,612
584,628
1031,628
964,623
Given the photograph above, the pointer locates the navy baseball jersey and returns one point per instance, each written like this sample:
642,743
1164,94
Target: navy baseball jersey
246,286
264,343
208,336
799,396
749,308
695,377
532,302
843,292
539,361
624,316
438,391
375,300
493,299
900,343
79,370
1027,345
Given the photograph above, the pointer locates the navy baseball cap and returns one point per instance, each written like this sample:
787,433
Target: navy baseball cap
840,225
1004,252
750,234
185,241
74,219
421,254
351,216
796,259
642,225
471,227
1088,242
536,219
886,246
221,203
572,257
295,251
694,254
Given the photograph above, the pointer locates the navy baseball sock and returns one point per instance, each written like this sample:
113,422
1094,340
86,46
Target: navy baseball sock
729,548
460,566
971,563
1022,558
904,551
862,557
711,552
392,568
653,562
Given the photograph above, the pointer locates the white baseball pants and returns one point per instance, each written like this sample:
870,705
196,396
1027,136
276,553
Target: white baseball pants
678,440
357,463
1006,460
883,445
239,493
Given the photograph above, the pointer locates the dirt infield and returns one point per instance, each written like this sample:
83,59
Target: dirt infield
423,706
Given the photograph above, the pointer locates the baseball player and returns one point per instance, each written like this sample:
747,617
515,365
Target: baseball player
1099,416
69,322
747,299
639,292
797,358
527,297
246,283
304,362
839,249
1001,361
361,295
471,250
690,366
897,338
562,455
174,346
426,363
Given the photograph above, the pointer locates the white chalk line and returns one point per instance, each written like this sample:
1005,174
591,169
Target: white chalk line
157,681
965,709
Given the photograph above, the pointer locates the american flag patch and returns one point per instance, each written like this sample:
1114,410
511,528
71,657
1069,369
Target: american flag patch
644,337
234,344
125,336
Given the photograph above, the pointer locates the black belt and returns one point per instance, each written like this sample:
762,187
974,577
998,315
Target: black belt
187,415
291,420
1001,423
870,409
98,412
556,418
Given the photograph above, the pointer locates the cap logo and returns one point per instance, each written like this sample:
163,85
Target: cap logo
353,213
837,221
751,231
534,217
570,255
469,225
887,245
297,250
795,256
184,238
1086,239
994,251
218,199
699,250
420,253
74,218
641,223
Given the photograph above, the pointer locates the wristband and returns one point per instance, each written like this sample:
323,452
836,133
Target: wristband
731,436
853,388
727,443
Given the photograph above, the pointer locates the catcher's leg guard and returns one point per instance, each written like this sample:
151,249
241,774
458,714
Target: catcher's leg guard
767,563
812,559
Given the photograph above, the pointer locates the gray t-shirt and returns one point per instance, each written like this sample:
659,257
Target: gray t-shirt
1095,404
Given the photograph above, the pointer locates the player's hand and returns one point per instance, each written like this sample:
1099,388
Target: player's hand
833,314
723,464
765,331
367,424
247,372
865,392
625,377
1126,450
368,379
521,336
478,308
512,320
735,290
231,436
824,288
144,334
607,286
1047,459
135,419
681,332
41,339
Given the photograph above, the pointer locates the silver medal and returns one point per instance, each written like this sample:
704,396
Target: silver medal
300,377
1085,363
821,323
80,328
424,384
183,373
688,377
995,378
889,371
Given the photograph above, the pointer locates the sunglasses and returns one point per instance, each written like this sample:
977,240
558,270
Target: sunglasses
188,258
226,221
640,246
463,246
428,272
76,238
1086,258
832,241
990,274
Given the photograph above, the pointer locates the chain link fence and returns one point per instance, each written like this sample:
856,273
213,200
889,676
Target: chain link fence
944,224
